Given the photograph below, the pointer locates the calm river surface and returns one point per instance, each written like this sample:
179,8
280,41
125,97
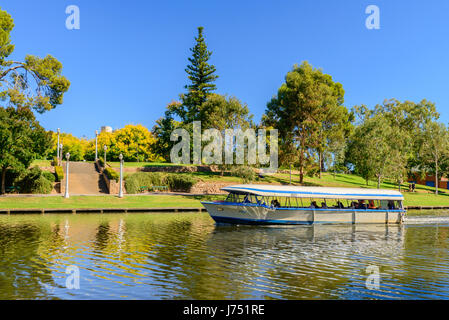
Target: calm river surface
186,256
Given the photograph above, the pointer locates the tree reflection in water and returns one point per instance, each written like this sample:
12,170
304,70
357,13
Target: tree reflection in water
24,273
186,256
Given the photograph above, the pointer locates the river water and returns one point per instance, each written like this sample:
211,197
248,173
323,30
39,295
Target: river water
186,256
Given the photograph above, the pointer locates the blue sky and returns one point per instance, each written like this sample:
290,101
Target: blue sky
127,60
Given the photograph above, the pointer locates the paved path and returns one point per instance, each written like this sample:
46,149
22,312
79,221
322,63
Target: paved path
85,179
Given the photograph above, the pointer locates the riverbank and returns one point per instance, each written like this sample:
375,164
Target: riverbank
111,201
210,182
148,202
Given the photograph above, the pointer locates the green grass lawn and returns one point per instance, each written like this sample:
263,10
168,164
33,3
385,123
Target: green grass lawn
143,201
41,163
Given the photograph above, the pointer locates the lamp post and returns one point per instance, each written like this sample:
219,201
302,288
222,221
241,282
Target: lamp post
105,148
57,151
120,192
60,153
67,156
290,173
96,145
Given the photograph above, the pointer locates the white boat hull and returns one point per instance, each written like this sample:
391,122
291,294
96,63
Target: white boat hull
223,212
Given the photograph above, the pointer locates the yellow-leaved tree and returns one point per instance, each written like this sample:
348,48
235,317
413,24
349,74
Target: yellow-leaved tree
135,142
77,147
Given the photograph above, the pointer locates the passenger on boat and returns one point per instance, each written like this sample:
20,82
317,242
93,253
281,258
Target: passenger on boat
339,205
371,205
391,204
323,205
275,203
313,205
361,204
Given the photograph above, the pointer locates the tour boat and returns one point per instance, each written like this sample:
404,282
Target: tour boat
271,204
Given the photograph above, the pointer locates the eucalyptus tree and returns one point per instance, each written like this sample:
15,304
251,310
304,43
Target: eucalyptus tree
308,107
22,140
162,130
369,148
221,112
434,149
35,83
399,128
400,148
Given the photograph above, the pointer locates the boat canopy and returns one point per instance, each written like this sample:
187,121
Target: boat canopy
315,192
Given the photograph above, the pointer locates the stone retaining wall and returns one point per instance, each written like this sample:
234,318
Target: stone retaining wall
210,187
112,185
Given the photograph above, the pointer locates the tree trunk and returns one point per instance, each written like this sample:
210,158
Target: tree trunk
301,161
436,176
3,181
320,159
378,181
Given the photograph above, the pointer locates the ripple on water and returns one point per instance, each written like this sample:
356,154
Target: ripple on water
185,256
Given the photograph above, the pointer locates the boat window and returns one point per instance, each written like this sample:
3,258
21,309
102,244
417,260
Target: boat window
235,197
306,202
294,202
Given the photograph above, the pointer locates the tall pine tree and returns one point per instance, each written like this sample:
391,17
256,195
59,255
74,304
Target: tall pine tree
189,109
202,77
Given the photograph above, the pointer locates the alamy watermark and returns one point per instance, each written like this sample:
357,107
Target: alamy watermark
373,20
223,148
373,280
73,20
73,279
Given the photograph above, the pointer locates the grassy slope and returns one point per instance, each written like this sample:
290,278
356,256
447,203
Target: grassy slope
423,196
41,163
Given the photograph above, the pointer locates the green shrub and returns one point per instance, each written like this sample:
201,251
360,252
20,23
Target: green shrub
111,174
59,173
49,176
140,181
177,182
41,185
34,181
135,182
246,173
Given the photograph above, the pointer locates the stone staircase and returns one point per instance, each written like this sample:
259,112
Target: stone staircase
84,179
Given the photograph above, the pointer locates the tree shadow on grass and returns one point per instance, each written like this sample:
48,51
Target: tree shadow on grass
355,183
422,188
